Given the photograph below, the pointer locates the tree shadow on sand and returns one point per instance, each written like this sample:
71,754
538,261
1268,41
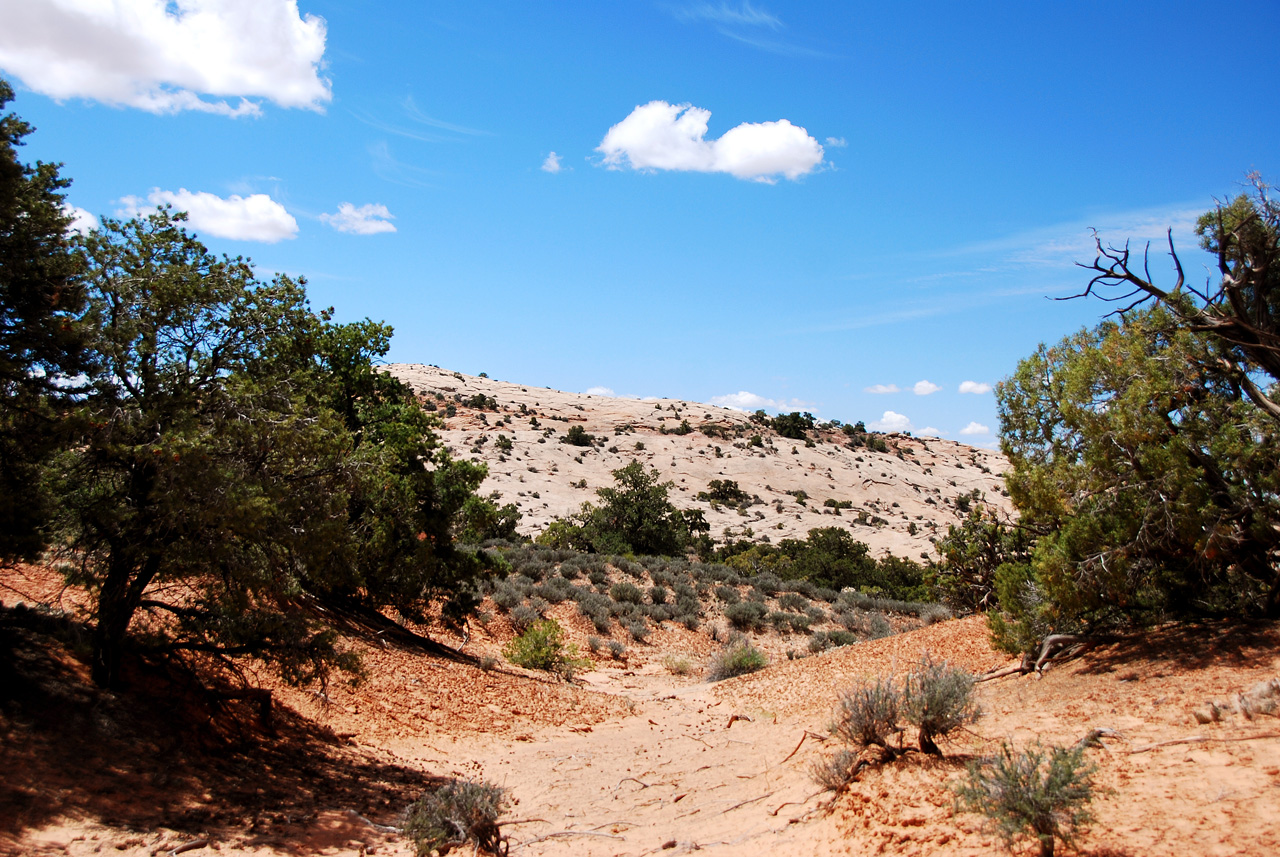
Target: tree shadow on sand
168,752
1190,646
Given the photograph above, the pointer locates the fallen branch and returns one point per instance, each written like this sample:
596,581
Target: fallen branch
1001,673
1075,643
736,717
745,802
774,812
806,734
1204,739
189,846
568,833
1093,737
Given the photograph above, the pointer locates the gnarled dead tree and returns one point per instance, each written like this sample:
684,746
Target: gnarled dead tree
1241,314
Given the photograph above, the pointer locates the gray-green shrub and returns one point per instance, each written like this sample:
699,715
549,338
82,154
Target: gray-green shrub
738,657
458,812
1038,792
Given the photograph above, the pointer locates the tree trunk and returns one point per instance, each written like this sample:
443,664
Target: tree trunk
118,600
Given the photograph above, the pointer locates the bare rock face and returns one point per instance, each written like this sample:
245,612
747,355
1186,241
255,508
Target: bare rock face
895,501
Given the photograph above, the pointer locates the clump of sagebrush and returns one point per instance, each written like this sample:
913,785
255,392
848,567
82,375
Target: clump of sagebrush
837,772
938,699
542,647
1039,792
738,657
458,812
869,714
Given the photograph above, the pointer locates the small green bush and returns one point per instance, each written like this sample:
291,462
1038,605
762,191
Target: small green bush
793,601
837,772
626,593
677,664
639,630
727,594
738,657
869,714
458,812
658,594
1039,792
746,615
938,699
542,647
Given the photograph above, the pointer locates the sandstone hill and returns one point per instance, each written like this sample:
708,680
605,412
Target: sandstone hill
897,499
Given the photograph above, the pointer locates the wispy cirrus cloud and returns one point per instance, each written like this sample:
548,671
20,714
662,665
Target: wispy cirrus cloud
663,136
743,14
882,389
166,56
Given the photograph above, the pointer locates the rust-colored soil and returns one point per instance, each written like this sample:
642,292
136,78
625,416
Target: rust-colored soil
631,759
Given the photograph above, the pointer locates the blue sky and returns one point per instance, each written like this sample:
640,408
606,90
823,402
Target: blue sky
793,205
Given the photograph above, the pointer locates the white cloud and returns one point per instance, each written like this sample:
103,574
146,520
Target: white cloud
368,219
925,388
82,221
662,136
601,391
891,421
974,387
256,217
551,164
881,388
929,431
975,428
744,401
837,142
165,56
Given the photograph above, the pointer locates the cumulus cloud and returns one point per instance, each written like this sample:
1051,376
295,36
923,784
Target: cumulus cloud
879,389
366,220
551,164
601,391
891,421
744,401
925,388
165,56
82,221
256,217
975,428
974,387
662,136
929,431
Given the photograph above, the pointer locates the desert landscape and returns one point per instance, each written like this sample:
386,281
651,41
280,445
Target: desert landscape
638,753
914,481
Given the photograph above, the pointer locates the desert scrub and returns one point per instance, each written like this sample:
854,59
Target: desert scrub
938,699
1039,792
626,593
542,647
738,657
677,664
869,714
458,812
746,615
